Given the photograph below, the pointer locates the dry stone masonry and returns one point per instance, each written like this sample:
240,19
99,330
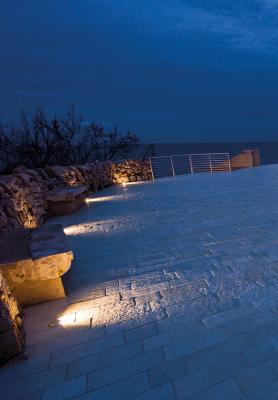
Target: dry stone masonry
33,268
23,194
26,199
11,331
34,265
130,171
22,201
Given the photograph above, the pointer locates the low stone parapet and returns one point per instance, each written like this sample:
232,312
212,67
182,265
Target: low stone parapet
66,199
33,262
24,193
246,159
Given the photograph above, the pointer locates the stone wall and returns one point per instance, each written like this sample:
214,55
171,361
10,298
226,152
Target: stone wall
11,331
23,193
246,159
130,171
22,201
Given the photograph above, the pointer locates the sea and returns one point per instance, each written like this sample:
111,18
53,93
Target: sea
268,150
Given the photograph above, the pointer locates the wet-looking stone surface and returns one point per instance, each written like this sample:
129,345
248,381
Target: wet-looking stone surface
173,294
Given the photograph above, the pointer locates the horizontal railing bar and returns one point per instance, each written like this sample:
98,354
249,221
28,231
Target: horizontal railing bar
165,166
160,162
199,164
178,164
193,154
152,158
181,159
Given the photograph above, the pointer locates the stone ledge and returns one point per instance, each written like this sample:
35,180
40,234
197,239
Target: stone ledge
28,196
34,268
67,193
66,200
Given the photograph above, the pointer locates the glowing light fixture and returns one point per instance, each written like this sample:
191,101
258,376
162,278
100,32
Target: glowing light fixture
124,184
67,319
87,317
103,198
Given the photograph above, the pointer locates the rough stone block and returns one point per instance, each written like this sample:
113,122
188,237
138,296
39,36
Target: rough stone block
122,390
255,378
164,392
32,383
173,335
198,342
259,354
65,200
125,368
103,360
21,368
228,316
228,390
168,371
204,378
66,390
33,271
85,349
141,332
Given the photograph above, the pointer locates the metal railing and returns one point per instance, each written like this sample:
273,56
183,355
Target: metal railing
189,163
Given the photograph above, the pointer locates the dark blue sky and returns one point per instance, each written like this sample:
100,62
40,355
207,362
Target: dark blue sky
171,71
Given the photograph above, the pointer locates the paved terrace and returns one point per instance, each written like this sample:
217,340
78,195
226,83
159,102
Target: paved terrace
173,294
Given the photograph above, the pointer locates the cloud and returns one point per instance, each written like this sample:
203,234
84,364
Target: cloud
245,24
152,66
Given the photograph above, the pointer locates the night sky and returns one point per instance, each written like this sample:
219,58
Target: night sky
171,71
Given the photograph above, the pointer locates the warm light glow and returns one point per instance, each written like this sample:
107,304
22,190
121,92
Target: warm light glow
113,226
80,229
74,230
103,198
67,319
132,183
82,317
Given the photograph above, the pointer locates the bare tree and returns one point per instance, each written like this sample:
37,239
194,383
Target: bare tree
40,140
148,151
8,147
36,142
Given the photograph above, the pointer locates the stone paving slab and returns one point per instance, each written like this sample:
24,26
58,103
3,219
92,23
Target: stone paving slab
173,294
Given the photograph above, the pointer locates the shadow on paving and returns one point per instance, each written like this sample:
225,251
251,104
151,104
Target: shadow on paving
173,294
